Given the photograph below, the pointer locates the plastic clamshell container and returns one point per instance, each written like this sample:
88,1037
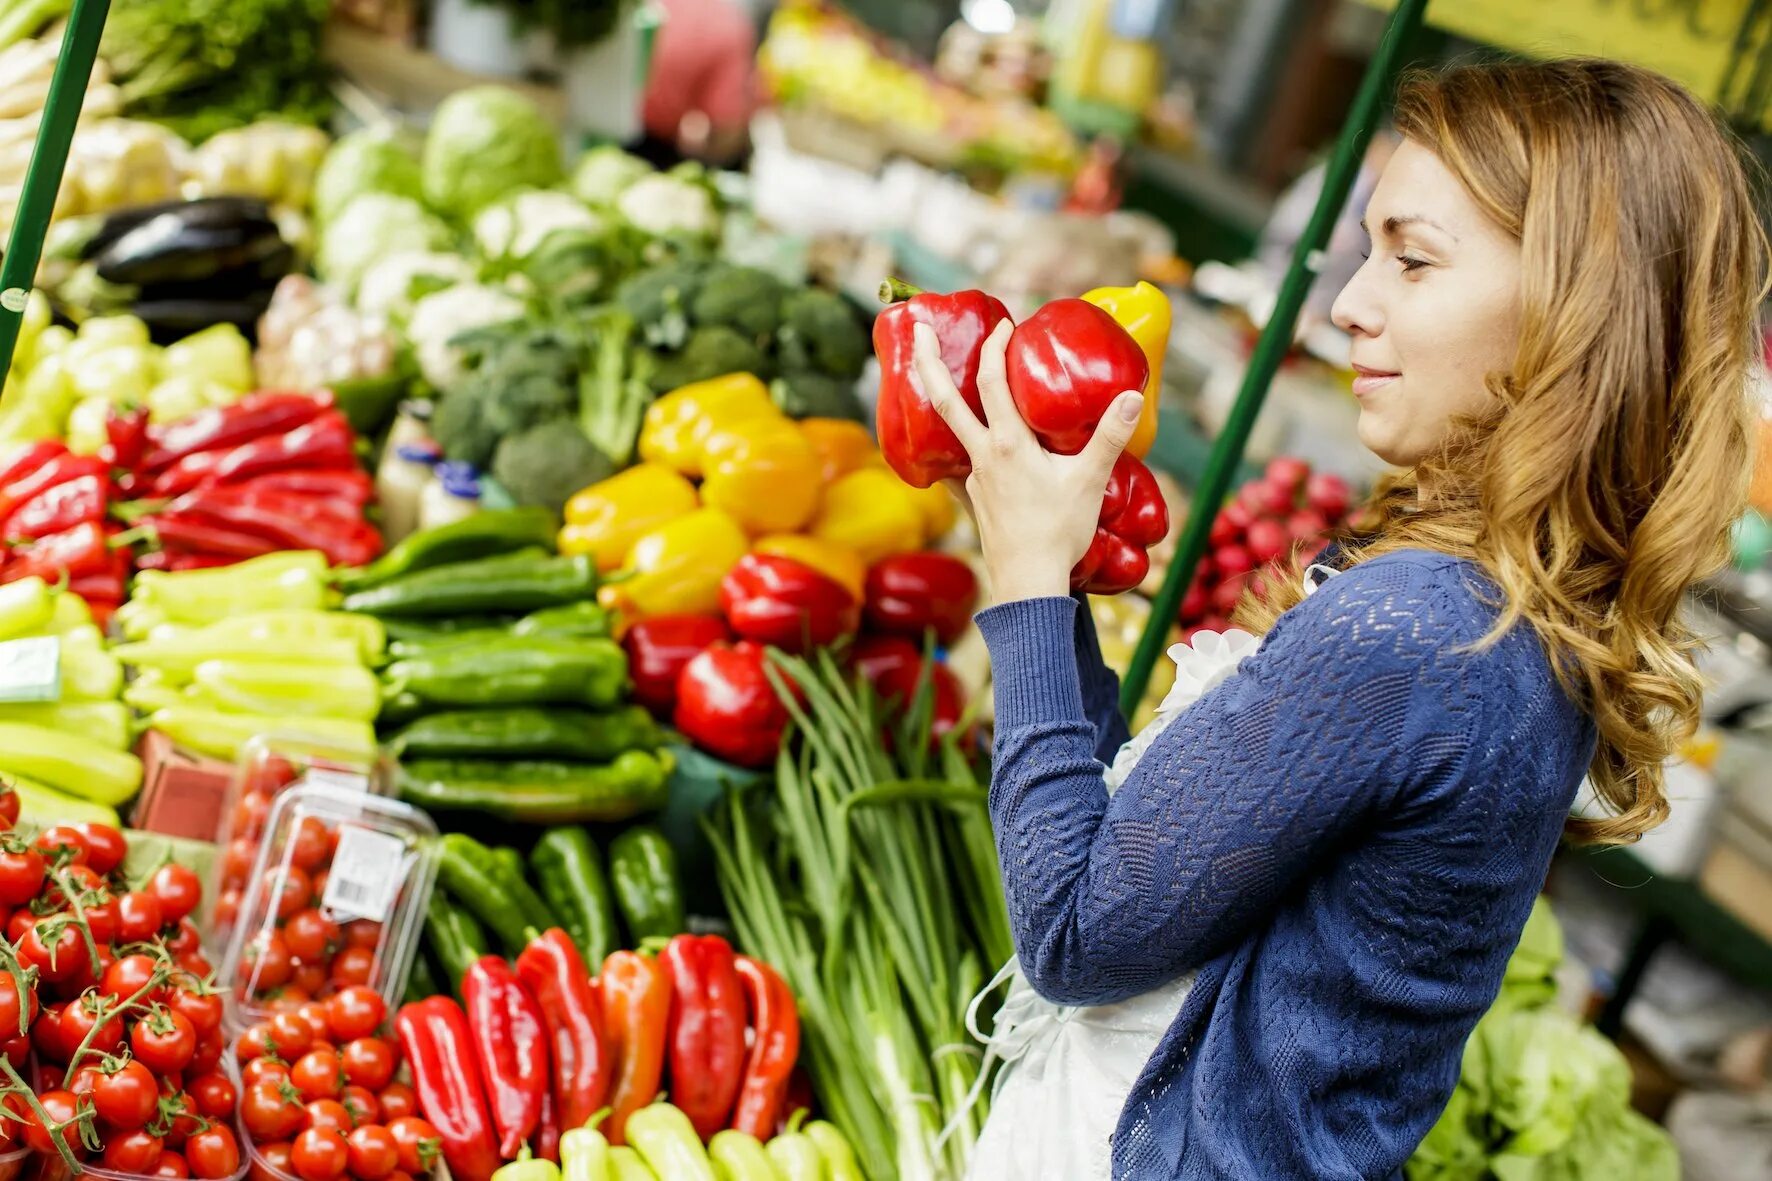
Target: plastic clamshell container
269,765
353,857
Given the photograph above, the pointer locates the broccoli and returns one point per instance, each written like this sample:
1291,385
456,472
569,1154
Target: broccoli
657,299
458,424
819,331
744,299
805,394
547,463
518,377
710,352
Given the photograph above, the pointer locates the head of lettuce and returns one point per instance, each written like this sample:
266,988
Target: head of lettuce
483,143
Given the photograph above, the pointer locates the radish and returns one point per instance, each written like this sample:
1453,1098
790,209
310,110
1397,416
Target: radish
1328,494
1266,540
1288,472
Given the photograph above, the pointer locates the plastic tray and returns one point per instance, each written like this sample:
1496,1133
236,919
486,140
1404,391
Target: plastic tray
368,863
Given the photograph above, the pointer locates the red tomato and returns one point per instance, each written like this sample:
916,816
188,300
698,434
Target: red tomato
101,920
227,907
275,1158
201,1008
195,963
164,1042
133,1152
128,976
356,1011
293,1035
237,861
250,813
329,1113
261,1069
269,1114
311,936
317,895
397,1101
172,1165
139,917
186,940
105,846
314,1013
58,956
419,1144
290,887
178,889
17,1051
62,844
21,921
368,1062
214,1095
289,998
318,1074
362,1104
9,807
207,1059
213,1153
319,1154
78,1024
311,978
46,1035
265,965
186,1123
372,1154
127,1098
309,846
60,1106
363,933
21,876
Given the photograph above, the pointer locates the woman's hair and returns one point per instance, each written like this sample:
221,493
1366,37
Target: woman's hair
1605,480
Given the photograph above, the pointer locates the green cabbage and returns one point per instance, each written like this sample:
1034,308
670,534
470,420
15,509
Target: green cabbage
485,142
368,161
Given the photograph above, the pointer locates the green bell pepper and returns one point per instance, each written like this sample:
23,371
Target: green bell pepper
523,581
486,534
586,619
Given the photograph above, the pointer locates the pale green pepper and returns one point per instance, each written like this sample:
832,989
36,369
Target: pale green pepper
796,1158
103,722
668,1141
627,1165
294,579
69,763
42,805
527,1167
179,656
25,606
67,613
151,691
584,1154
302,690
221,735
296,627
740,1156
89,671
834,1148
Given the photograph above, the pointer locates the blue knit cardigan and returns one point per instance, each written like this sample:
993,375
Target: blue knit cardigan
1343,839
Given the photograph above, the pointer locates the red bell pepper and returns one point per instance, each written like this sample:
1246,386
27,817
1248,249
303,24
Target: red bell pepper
58,469
291,521
77,552
894,667
325,443
726,705
62,506
636,1010
778,601
775,1047
1133,518
551,969
268,412
439,1049
705,1039
908,594
512,1046
915,441
659,647
1065,365
126,437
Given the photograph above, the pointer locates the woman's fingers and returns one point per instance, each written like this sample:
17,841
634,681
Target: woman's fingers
938,385
1113,432
993,386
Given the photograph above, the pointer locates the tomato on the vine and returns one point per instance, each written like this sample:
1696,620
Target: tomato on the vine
355,1012
62,1107
214,1095
227,907
270,1114
319,1154
178,889
290,998
102,921
133,1152
54,947
373,1153
397,1101
17,1051
208,1058
420,1143
318,1074
186,1122
237,861
62,843
212,1153
81,1026
128,976
201,1008
139,917
105,846
164,1041
12,1022
328,1113
126,1098
21,875
186,940
10,806
46,1034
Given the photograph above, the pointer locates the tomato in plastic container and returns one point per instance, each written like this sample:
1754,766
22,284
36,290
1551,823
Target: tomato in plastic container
207,1139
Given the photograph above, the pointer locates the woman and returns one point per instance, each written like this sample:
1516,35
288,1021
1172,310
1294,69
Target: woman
1341,841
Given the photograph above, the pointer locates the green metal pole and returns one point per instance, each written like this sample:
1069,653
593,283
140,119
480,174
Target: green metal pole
1271,348
43,176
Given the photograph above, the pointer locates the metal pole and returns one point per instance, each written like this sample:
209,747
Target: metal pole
43,176
1271,348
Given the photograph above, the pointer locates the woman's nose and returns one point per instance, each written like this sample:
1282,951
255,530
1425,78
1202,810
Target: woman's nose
1356,310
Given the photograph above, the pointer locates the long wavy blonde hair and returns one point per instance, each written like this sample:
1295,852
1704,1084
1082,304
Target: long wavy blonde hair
1605,479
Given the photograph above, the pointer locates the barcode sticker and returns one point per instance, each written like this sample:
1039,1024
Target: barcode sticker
365,876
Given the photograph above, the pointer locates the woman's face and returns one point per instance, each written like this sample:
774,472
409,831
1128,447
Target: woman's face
1432,312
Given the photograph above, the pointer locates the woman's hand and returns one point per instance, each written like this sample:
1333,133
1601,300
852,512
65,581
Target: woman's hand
1036,511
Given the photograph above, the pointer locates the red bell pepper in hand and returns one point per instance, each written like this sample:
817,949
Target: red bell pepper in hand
1065,365
268,412
437,1045
726,705
659,647
705,1039
80,551
915,441
775,1046
57,469
551,969
63,506
126,437
324,444
1134,517
894,667
636,1009
512,1046
778,601
908,594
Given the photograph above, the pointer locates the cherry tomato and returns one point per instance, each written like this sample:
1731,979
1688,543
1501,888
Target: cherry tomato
202,1009
186,1123
61,1107
127,1098
133,1152
256,1041
9,807
62,843
81,1027
293,1035
419,1144
311,978
105,847
317,894
172,1166
355,1012
128,976
269,1114
164,1041
329,1113
397,1101
308,845
368,1062
186,940
13,1022
178,889
21,876
266,962
250,814
289,998
362,1104
373,1153
195,963
319,1154
58,956
275,1161
261,1069
237,861
46,1035
363,933
101,920
400,1175
227,907
290,887
139,917
314,1013
311,936
17,1051
214,1095
318,1074
21,921
213,1153
207,1059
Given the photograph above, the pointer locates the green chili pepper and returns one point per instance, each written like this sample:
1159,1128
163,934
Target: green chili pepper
796,1157
454,935
517,670
516,732
509,866
648,890
428,645
668,1141
627,1165
485,534
584,1155
740,1156
575,619
527,1167
420,629
534,792
397,709
470,872
523,581
570,871
834,1148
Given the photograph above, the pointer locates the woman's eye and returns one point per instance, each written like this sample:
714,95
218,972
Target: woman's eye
1410,263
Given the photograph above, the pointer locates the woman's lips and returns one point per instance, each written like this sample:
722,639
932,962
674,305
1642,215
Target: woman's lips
1367,380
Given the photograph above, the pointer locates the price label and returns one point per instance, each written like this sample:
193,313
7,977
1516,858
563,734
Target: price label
31,670
365,876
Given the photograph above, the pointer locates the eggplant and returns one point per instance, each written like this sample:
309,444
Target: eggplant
210,212
258,274
166,249
172,319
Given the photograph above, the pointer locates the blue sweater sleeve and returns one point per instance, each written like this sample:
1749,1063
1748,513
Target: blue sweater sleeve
1101,688
1355,696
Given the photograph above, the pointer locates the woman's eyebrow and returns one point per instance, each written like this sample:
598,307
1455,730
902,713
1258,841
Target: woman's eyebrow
1393,224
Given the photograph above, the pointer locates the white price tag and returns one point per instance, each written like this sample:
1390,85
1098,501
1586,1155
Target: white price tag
31,669
365,877
339,780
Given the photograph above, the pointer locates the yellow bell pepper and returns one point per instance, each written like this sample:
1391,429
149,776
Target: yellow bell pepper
872,512
842,446
606,519
1143,311
836,562
939,508
676,569
678,424
763,472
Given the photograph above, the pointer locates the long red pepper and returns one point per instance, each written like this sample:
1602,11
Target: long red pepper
551,968
30,459
512,1046
58,469
775,1046
352,485
548,1133
636,1010
324,443
705,1039
179,531
126,437
70,503
293,522
179,560
435,1041
79,551
264,413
